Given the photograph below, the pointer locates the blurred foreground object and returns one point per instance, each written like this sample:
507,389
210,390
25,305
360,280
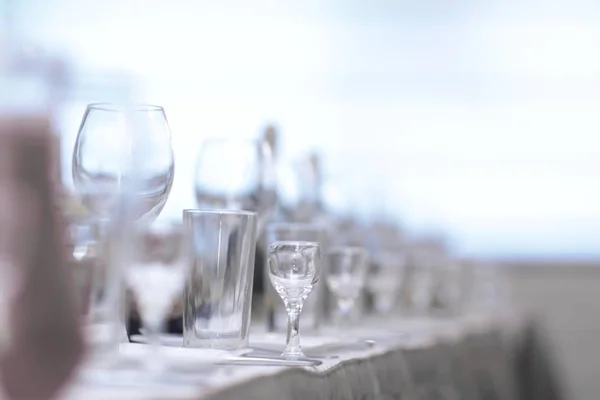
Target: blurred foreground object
44,343
41,341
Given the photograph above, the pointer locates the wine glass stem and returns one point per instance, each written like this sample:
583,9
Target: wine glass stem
292,349
154,363
345,307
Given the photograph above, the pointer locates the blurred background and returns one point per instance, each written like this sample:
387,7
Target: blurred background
475,119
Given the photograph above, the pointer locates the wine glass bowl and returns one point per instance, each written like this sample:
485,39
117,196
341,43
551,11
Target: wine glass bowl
346,276
121,147
294,271
236,174
384,280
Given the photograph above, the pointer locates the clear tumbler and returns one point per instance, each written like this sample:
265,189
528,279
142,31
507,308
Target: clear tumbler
218,294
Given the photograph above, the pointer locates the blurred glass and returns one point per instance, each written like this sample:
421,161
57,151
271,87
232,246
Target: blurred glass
308,174
345,277
384,281
447,287
425,259
157,266
123,145
236,174
218,293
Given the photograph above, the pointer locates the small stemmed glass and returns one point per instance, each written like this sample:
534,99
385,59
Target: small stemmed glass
346,276
294,270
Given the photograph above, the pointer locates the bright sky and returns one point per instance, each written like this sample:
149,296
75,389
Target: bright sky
480,118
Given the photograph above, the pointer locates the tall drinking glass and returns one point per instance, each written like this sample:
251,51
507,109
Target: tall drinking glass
218,294
315,306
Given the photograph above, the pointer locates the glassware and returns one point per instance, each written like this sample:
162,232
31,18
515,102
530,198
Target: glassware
158,262
294,270
346,276
384,281
97,287
424,258
218,293
123,145
315,306
236,174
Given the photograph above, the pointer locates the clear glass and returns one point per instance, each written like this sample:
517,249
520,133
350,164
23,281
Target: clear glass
315,306
156,269
236,174
218,293
294,271
119,146
384,281
345,278
98,291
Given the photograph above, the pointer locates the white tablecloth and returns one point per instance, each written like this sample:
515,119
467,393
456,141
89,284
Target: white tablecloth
470,358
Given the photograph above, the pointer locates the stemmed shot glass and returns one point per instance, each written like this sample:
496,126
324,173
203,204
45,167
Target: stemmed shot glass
346,276
294,269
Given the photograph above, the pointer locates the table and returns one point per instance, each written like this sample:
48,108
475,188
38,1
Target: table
475,357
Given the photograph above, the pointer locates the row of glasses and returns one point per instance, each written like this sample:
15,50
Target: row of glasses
230,174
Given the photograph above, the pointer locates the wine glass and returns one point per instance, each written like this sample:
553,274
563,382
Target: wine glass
121,147
384,280
346,275
236,174
294,271
157,267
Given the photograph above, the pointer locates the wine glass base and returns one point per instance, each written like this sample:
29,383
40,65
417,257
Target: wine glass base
292,355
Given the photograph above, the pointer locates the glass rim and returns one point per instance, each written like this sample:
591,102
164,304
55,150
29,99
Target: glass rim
201,211
306,243
115,107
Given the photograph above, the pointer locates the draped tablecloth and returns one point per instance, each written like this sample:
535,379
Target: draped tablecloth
446,359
